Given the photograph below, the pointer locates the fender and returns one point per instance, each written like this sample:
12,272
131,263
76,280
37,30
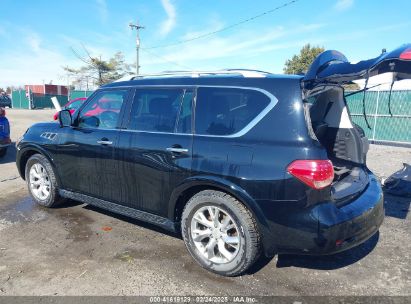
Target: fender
23,148
225,186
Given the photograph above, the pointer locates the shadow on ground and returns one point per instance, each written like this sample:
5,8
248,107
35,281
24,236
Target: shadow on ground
133,221
10,156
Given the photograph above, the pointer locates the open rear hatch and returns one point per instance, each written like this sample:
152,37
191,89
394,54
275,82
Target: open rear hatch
332,67
328,117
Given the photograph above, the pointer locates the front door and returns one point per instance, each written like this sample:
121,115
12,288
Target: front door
86,151
155,151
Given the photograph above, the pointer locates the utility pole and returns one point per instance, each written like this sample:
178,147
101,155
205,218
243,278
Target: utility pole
137,27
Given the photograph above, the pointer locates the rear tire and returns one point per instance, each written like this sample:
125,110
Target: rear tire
41,182
220,233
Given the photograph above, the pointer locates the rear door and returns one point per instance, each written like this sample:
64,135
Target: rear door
155,151
332,67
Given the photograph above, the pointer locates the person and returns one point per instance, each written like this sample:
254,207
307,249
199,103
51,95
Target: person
4,128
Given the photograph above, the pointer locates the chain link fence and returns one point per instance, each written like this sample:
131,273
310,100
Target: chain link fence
21,100
386,128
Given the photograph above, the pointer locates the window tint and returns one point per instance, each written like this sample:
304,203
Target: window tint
161,110
226,111
75,105
103,111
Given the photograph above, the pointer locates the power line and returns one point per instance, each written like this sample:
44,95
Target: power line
224,28
165,59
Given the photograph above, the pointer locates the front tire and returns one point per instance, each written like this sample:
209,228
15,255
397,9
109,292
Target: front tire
220,233
41,181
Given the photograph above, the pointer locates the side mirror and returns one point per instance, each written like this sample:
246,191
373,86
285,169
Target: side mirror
65,118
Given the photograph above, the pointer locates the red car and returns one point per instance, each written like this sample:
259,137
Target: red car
72,105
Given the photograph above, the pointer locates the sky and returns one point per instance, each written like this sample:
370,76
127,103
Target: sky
37,37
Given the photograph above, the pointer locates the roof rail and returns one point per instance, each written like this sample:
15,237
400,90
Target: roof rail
196,74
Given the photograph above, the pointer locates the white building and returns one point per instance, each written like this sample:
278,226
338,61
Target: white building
385,83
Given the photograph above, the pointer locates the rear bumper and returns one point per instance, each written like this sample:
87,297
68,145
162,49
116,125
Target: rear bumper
326,229
348,234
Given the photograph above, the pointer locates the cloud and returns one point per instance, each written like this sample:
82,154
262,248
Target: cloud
102,9
343,5
34,41
237,44
213,25
170,22
32,59
28,66
221,52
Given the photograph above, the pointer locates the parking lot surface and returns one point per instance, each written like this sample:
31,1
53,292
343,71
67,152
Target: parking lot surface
81,250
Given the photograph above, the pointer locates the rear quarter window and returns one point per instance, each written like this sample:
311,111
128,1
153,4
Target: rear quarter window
227,111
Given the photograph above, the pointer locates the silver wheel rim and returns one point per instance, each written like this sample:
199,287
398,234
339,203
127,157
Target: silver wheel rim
215,234
39,182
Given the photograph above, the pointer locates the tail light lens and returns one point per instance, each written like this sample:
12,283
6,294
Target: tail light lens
317,174
406,55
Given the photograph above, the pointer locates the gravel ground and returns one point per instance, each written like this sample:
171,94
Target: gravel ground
82,250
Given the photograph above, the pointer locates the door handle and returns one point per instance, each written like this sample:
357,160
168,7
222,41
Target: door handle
177,150
105,142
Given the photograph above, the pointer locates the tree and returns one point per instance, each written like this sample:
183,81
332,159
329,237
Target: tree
300,63
351,86
99,70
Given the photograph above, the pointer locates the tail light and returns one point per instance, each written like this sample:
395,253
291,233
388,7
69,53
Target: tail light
317,174
406,55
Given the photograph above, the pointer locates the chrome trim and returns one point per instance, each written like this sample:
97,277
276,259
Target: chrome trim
240,133
177,150
196,74
105,142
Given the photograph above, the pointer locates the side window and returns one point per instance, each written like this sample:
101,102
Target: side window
226,111
161,110
103,111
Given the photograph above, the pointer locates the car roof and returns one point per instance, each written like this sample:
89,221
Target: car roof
222,78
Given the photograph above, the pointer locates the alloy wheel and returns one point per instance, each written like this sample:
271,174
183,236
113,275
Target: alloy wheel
215,234
39,180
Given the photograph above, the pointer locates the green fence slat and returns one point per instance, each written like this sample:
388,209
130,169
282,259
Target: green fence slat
396,128
19,99
44,101
78,94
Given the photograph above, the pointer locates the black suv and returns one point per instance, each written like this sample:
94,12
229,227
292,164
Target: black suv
242,162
